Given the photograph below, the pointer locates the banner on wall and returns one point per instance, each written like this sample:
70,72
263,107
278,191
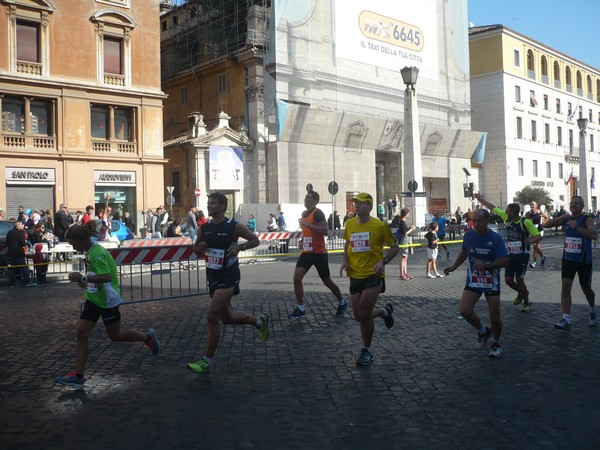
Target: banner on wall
226,169
388,34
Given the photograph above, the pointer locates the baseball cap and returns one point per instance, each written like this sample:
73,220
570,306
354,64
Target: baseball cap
363,197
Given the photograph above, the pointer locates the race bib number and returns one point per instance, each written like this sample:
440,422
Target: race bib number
92,288
573,245
307,244
360,242
482,279
214,258
515,247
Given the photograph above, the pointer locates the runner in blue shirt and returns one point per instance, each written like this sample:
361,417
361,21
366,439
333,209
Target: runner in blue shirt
487,253
441,232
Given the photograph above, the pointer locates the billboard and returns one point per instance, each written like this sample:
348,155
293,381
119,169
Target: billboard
226,169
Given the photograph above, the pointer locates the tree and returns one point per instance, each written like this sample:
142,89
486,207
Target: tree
540,195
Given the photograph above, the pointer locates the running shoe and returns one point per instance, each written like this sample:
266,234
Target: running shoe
526,307
543,261
153,343
30,284
496,350
410,277
201,366
404,277
518,299
71,379
532,264
389,320
364,358
342,309
439,275
430,276
483,338
263,331
297,314
593,319
563,325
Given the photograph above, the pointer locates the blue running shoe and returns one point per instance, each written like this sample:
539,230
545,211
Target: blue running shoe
364,358
71,380
593,319
153,343
342,309
389,320
297,314
563,325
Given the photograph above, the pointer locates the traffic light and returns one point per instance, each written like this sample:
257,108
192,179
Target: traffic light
468,189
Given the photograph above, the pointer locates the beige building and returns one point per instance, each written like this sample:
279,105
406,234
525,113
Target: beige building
81,104
528,97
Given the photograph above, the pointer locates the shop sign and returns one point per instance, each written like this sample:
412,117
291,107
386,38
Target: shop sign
114,178
29,175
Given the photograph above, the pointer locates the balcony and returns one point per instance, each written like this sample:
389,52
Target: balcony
545,79
29,68
28,142
557,84
118,147
114,80
572,155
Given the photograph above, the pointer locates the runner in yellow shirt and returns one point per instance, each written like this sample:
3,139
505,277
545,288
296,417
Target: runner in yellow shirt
364,263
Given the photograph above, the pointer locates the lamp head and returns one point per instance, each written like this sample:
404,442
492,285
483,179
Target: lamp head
582,124
409,75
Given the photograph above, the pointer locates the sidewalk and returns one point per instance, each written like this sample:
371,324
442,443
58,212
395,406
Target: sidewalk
427,388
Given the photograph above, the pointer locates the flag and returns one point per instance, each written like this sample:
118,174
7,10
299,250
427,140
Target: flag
568,180
573,112
593,180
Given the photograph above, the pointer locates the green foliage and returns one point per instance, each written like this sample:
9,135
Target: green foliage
537,194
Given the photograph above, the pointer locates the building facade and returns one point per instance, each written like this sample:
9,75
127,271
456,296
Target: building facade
316,85
81,104
528,97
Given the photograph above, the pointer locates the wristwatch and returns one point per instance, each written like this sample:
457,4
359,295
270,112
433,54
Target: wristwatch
84,278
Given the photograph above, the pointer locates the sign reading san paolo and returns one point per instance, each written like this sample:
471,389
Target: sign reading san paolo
388,34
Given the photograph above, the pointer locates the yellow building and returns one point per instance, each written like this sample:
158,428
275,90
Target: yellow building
81,104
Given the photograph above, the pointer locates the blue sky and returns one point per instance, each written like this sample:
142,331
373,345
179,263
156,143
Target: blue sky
569,27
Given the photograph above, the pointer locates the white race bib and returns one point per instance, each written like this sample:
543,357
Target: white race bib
92,288
515,247
307,244
215,258
482,279
360,242
573,245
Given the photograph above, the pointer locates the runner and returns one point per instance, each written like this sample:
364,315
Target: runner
538,218
364,263
217,241
487,253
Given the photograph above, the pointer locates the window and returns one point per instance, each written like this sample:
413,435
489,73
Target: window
548,170
519,128
559,136
518,94
535,168
163,25
591,142
28,41
530,65
533,130
560,171
558,105
556,75
590,115
15,120
184,98
222,83
520,167
547,133
599,118
546,107
113,56
569,109
517,58
571,139
113,47
532,101
112,123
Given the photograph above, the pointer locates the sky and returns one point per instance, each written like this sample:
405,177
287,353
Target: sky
571,28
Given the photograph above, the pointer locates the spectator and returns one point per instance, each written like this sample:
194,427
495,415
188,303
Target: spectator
251,225
155,230
62,221
281,222
201,218
147,230
16,241
174,229
40,264
89,209
20,215
272,223
78,216
128,221
163,216
192,224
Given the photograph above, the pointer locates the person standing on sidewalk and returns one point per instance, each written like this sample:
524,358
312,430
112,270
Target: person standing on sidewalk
487,253
192,223
102,299
577,259
432,251
217,241
538,218
314,253
520,234
16,243
364,263
442,222
403,239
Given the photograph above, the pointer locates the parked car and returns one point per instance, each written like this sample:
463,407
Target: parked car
5,227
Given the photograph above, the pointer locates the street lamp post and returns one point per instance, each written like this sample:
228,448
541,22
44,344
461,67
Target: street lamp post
412,167
583,183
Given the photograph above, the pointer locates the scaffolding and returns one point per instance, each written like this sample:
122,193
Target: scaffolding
196,32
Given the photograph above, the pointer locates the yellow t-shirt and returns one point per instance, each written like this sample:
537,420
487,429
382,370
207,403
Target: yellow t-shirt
366,245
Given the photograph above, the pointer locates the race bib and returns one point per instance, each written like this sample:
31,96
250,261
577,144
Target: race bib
360,242
307,244
92,288
515,247
573,245
482,279
214,258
